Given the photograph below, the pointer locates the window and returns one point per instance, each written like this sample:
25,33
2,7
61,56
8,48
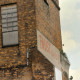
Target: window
55,2
9,25
46,2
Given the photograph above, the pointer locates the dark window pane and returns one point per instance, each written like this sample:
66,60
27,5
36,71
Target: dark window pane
14,19
3,8
14,14
14,6
10,38
14,10
4,16
4,29
9,11
15,28
4,25
10,29
9,19
4,12
4,20
10,24
10,15
14,23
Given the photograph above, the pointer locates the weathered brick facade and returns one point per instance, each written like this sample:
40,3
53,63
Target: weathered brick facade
32,15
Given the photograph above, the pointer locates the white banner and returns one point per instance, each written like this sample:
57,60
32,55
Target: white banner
48,50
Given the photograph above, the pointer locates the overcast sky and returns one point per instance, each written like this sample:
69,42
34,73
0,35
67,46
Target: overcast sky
70,25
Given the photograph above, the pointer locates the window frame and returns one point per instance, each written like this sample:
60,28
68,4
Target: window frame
11,45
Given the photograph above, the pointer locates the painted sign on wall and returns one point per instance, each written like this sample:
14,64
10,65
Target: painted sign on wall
48,50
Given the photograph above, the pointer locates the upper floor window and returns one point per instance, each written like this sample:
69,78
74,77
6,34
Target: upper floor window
9,25
46,2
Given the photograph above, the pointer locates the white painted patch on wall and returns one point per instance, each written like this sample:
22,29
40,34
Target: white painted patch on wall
48,50
58,74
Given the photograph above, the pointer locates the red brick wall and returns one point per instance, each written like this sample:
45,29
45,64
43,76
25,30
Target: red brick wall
21,73
48,21
12,65
41,67
26,29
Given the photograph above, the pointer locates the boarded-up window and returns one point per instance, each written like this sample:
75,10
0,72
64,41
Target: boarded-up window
9,25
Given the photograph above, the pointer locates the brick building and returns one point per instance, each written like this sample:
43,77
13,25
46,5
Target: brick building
30,41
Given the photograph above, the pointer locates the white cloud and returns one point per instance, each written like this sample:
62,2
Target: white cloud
70,23
69,43
69,18
75,74
69,10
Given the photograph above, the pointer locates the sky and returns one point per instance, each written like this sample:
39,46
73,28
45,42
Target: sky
70,27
